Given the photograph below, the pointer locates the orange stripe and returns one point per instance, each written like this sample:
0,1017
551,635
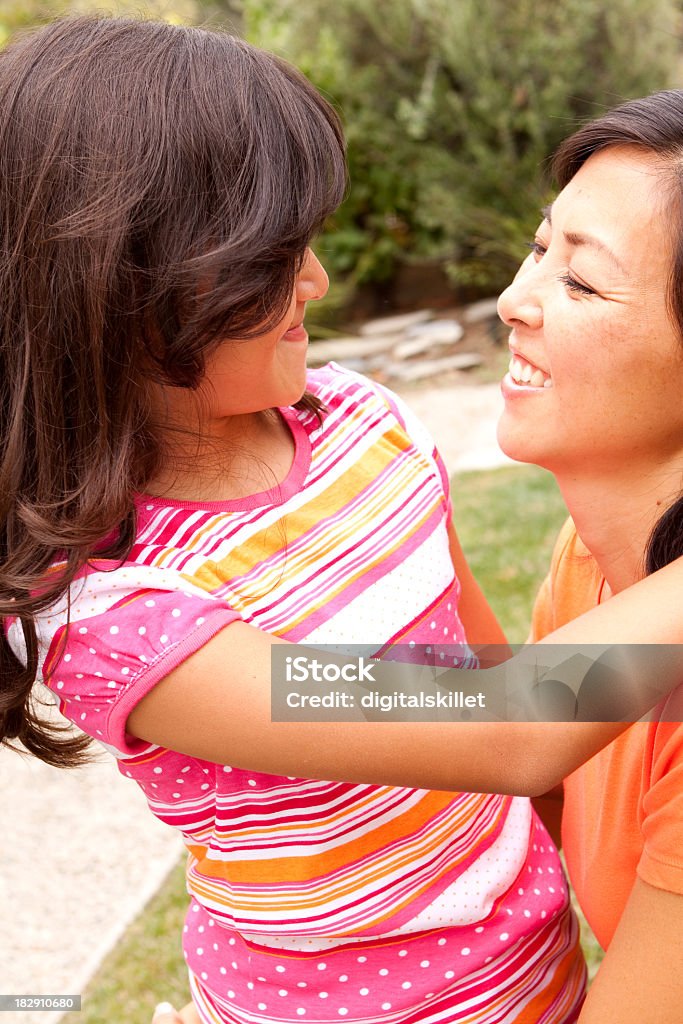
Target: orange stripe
292,869
568,965
289,869
398,859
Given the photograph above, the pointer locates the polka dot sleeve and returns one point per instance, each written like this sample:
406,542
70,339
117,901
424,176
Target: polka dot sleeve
101,666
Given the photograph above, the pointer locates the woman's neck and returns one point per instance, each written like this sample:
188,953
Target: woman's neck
238,457
614,516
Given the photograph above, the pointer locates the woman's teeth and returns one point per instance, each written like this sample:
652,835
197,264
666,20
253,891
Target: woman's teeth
524,373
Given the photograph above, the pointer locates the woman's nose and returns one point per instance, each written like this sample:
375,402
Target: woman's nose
520,302
313,281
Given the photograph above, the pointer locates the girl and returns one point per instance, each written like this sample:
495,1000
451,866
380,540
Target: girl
178,496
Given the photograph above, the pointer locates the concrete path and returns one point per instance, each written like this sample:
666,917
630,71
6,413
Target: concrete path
462,420
81,853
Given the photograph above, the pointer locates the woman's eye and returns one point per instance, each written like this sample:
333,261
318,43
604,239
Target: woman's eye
575,286
537,248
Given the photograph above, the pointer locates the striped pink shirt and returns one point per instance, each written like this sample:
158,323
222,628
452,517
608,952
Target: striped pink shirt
313,900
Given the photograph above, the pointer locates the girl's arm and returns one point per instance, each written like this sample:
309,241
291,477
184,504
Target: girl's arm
640,978
216,706
476,615
482,627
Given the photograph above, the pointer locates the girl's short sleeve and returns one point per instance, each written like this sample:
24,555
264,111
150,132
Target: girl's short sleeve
119,643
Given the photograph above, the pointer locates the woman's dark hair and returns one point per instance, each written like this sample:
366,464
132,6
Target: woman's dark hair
653,123
158,189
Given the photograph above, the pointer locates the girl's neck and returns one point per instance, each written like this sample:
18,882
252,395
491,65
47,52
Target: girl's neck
615,516
232,459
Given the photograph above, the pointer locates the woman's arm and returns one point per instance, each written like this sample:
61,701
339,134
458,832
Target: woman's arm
641,977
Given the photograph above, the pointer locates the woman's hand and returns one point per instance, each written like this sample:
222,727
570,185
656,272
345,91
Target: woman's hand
166,1014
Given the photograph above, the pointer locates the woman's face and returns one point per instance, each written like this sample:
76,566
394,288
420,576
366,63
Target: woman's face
596,374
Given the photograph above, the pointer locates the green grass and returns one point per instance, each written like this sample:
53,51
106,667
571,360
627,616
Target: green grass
507,520
146,966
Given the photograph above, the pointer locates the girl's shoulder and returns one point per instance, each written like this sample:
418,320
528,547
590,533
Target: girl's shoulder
120,629
343,390
333,383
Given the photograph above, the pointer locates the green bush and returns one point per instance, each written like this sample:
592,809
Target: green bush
451,108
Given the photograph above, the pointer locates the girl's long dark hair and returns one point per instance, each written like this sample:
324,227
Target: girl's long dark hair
158,189
654,123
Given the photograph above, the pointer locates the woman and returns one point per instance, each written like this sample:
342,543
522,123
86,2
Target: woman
596,315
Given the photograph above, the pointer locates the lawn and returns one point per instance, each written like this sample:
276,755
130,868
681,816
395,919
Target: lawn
507,520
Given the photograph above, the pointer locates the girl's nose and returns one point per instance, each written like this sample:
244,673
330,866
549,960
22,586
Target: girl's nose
520,302
313,281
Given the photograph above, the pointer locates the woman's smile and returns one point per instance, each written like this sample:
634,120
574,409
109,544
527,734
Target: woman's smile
522,372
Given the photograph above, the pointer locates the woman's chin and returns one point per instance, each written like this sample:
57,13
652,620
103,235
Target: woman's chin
509,440
517,446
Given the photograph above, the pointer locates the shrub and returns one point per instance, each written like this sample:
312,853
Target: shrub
451,108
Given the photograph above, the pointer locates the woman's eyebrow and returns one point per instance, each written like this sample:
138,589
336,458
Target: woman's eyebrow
577,238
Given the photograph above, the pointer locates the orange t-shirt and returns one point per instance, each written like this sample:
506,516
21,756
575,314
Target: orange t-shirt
623,813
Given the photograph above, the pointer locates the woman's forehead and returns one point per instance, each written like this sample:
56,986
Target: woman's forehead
618,204
613,176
